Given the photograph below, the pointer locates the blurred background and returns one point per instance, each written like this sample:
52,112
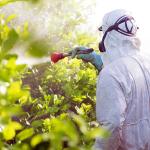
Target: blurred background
54,25
59,25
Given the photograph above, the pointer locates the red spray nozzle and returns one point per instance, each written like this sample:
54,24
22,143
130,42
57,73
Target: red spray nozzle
56,56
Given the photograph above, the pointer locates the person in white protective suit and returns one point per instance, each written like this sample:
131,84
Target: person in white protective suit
123,87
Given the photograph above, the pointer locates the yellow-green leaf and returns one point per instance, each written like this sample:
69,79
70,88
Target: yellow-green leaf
25,134
8,132
36,140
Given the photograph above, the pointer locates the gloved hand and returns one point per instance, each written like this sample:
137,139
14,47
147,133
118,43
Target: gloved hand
92,57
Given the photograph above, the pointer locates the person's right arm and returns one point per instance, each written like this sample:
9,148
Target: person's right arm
93,57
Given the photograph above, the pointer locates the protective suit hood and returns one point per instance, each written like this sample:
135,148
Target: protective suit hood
117,44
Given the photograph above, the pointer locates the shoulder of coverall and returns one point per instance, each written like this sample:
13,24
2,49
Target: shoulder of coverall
113,66
118,72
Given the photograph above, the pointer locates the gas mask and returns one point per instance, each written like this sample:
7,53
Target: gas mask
127,32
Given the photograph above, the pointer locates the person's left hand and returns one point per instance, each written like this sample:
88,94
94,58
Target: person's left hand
86,57
92,57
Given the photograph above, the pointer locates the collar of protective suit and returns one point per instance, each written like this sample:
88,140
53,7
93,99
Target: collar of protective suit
116,50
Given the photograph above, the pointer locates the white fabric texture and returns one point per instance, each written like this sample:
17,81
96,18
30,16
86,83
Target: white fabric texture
123,91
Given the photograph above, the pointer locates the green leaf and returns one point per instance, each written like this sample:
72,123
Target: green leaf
16,125
20,94
81,123
36,140
10,42
14,91
25,134
37,123
9,131
21,67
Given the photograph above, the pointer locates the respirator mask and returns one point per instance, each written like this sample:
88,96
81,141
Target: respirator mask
127,32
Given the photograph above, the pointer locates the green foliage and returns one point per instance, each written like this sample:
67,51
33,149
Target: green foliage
60,112
12,93
72,85
63,113
66,104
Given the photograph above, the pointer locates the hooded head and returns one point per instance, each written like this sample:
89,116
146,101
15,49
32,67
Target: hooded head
120,36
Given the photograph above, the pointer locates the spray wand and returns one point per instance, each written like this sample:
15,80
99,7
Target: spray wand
56,56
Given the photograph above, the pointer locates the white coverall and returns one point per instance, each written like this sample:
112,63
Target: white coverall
123,92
